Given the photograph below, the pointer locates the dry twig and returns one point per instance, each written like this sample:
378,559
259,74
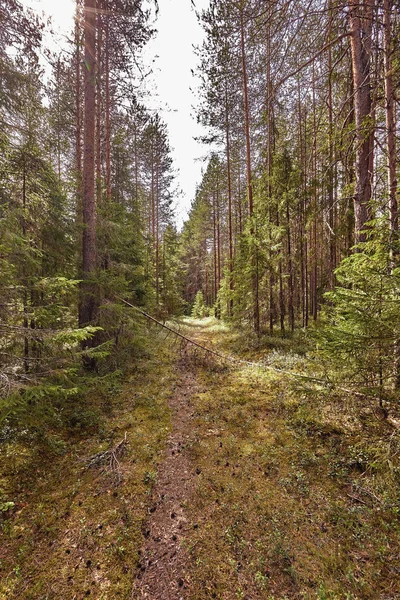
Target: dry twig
109,460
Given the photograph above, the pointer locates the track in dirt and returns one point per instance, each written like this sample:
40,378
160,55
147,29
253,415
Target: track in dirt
163,557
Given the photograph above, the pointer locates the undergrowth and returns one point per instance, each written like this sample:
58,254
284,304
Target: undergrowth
296,490
298,495
70,530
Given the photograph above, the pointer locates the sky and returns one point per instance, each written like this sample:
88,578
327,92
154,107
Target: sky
171,83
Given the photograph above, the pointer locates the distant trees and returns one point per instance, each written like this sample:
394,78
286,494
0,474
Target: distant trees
300,99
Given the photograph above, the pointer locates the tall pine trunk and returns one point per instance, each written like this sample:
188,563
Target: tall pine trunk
228,166
88,300
254,261
108,111
391,158
390,120
78,116
360,15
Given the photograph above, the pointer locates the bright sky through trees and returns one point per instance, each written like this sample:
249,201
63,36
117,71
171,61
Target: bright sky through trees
178,30
170,56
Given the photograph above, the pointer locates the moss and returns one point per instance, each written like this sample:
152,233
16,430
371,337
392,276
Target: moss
75,532
274,523
296,496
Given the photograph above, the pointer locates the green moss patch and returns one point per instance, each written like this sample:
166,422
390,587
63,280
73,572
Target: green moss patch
75,531
294,499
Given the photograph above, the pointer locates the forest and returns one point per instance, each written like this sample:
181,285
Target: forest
212,410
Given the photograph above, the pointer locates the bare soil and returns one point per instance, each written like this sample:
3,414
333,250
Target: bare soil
162,569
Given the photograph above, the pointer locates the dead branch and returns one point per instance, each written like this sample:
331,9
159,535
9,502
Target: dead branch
187,340
297,376
109,460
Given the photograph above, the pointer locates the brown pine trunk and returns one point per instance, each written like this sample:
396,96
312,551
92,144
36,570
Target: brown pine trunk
349,177
218,311
25,292
331,172
360,15
302,220
98,102
153,195
228,164
108,112
269,173
239,200
78,109
290,269
58,120
282,310
391,159
307,232
88,304
246,118
136,168
314,288
157,234
215,249
206,295
390,119
255,281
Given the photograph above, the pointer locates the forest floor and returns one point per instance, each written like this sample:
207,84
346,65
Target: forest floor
234,484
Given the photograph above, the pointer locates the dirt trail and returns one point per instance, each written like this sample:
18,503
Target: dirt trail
162,573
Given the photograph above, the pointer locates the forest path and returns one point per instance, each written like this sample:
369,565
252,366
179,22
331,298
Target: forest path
162,568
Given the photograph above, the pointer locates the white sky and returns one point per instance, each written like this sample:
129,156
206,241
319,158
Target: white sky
170,83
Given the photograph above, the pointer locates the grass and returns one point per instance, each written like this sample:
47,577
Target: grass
73,532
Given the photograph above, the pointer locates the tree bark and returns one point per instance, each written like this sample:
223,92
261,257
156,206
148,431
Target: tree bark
78,109
390,119
331,172
391,159
228,166
108,112
88,304
254,261
361,15
98,102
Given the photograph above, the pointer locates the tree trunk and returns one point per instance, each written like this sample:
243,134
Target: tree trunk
360,15
88,303
391,159
390,120
157,232
290,269
302,220
215,249
269,173
78,120
228,165
98,103
108,112
254,261
331,172
218,312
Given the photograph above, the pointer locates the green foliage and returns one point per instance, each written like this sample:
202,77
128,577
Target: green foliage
199,310
6,506
170,299
361,321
